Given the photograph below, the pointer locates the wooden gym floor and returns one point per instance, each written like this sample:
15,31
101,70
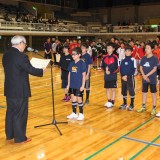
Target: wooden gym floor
105,134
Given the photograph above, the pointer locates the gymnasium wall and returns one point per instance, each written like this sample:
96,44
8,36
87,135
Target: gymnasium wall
9,2
128,13
149,12
122,14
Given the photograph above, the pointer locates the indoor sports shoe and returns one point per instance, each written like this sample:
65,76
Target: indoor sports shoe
130,108
123,106
153,112
142,109
72,115
87,101
109,105
64,99
158,114
106,104
67,99
80,117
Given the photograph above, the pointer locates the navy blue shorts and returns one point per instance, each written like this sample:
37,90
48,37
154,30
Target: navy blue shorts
153,88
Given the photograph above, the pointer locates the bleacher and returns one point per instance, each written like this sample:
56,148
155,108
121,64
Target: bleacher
93,24
123,29
81,14
63,25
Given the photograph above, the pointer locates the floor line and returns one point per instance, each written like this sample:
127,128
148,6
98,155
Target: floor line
142,141
144,148
102,149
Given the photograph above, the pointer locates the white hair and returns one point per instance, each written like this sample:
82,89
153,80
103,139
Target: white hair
17,40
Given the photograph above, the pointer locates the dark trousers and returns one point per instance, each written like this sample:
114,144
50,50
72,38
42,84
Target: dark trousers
128,85
54,56
48,56
16,119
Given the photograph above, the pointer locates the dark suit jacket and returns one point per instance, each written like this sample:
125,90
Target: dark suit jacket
17,68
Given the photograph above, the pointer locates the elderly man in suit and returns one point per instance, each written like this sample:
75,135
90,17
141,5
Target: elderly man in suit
17,68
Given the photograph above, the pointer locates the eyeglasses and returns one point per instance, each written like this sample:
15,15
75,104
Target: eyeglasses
74,54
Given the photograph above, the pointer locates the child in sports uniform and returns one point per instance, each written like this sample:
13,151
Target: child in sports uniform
88,60
110,66
76,82
127,70
65,60
148,68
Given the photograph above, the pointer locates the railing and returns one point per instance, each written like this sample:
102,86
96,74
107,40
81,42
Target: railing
41,27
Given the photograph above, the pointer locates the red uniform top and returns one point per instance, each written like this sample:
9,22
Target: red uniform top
134,51
73,45
140,52
156,53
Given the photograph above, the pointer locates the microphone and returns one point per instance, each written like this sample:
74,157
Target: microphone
29,49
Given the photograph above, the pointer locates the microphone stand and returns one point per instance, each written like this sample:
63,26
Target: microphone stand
54,122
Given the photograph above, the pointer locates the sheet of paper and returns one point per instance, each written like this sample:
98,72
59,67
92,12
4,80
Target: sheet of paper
39,63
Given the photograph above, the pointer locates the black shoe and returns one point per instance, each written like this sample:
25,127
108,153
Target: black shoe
87,101
123,106
130,108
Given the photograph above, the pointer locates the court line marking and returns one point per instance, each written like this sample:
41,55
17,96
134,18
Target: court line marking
144,148
72,122
142,141
105,147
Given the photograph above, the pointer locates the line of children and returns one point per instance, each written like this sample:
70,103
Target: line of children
76,82
78,71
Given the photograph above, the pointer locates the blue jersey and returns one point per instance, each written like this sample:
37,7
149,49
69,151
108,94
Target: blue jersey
147,65
76,70
128,66
87,59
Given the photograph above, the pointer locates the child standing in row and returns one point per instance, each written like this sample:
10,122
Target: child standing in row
65,60
88,60
110,66
76,82
127,70
148,68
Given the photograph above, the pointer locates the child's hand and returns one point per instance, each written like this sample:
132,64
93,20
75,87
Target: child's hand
81,89
67,87
107,72
87,77
124,78
145,77
147,80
